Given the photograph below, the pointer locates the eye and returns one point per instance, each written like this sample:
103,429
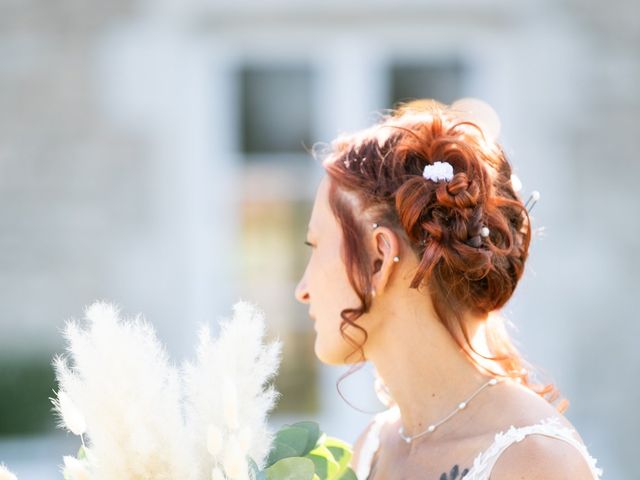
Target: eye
308,243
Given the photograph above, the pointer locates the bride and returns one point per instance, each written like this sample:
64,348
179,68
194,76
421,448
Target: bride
418,238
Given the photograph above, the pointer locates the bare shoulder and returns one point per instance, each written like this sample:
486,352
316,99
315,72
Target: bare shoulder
538,457
357,446
521,406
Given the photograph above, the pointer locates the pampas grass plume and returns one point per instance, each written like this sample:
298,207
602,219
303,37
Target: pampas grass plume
214,440
245,437
130,395
5,474
75,469
71,417
216,474
238,401
145,418
230,403
233,459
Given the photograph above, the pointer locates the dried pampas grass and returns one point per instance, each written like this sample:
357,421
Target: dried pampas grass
129,396
230,420
5,474
145,418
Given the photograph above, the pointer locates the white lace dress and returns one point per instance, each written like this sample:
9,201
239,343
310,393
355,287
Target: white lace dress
484,461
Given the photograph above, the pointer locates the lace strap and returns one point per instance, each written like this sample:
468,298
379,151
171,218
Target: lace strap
483,464
371,443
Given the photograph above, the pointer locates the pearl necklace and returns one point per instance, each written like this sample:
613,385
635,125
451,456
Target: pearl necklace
461,406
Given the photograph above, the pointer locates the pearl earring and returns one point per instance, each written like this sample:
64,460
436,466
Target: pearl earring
396,259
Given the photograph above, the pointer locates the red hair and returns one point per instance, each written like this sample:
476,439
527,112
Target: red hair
376,176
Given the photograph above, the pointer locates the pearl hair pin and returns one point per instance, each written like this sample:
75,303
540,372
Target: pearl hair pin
461,406
517,186
533,198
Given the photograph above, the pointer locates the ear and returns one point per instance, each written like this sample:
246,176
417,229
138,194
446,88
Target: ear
385,246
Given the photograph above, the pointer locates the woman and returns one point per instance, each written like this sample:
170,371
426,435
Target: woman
418,238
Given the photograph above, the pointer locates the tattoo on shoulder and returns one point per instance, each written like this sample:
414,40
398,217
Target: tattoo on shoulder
454,474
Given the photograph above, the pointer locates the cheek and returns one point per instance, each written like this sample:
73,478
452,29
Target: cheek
333,293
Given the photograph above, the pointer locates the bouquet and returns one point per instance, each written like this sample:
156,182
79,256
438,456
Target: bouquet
140,417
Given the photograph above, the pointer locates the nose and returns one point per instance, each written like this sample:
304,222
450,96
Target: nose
302,294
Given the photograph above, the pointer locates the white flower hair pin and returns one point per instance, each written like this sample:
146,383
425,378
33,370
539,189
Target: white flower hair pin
438,171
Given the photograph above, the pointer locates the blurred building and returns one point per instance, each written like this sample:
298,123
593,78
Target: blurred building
156,154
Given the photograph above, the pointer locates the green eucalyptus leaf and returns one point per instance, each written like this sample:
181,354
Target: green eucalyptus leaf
280,451
295,437
341,452
314,434
348,474
338,453
288,442
325,465
294,468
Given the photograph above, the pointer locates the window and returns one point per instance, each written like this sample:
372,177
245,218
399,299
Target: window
440,80
275,109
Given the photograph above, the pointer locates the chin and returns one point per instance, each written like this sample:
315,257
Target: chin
330,356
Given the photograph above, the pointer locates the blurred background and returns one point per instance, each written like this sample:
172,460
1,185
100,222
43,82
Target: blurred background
153,154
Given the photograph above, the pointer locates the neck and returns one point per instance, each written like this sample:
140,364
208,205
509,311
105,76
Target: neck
425,370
